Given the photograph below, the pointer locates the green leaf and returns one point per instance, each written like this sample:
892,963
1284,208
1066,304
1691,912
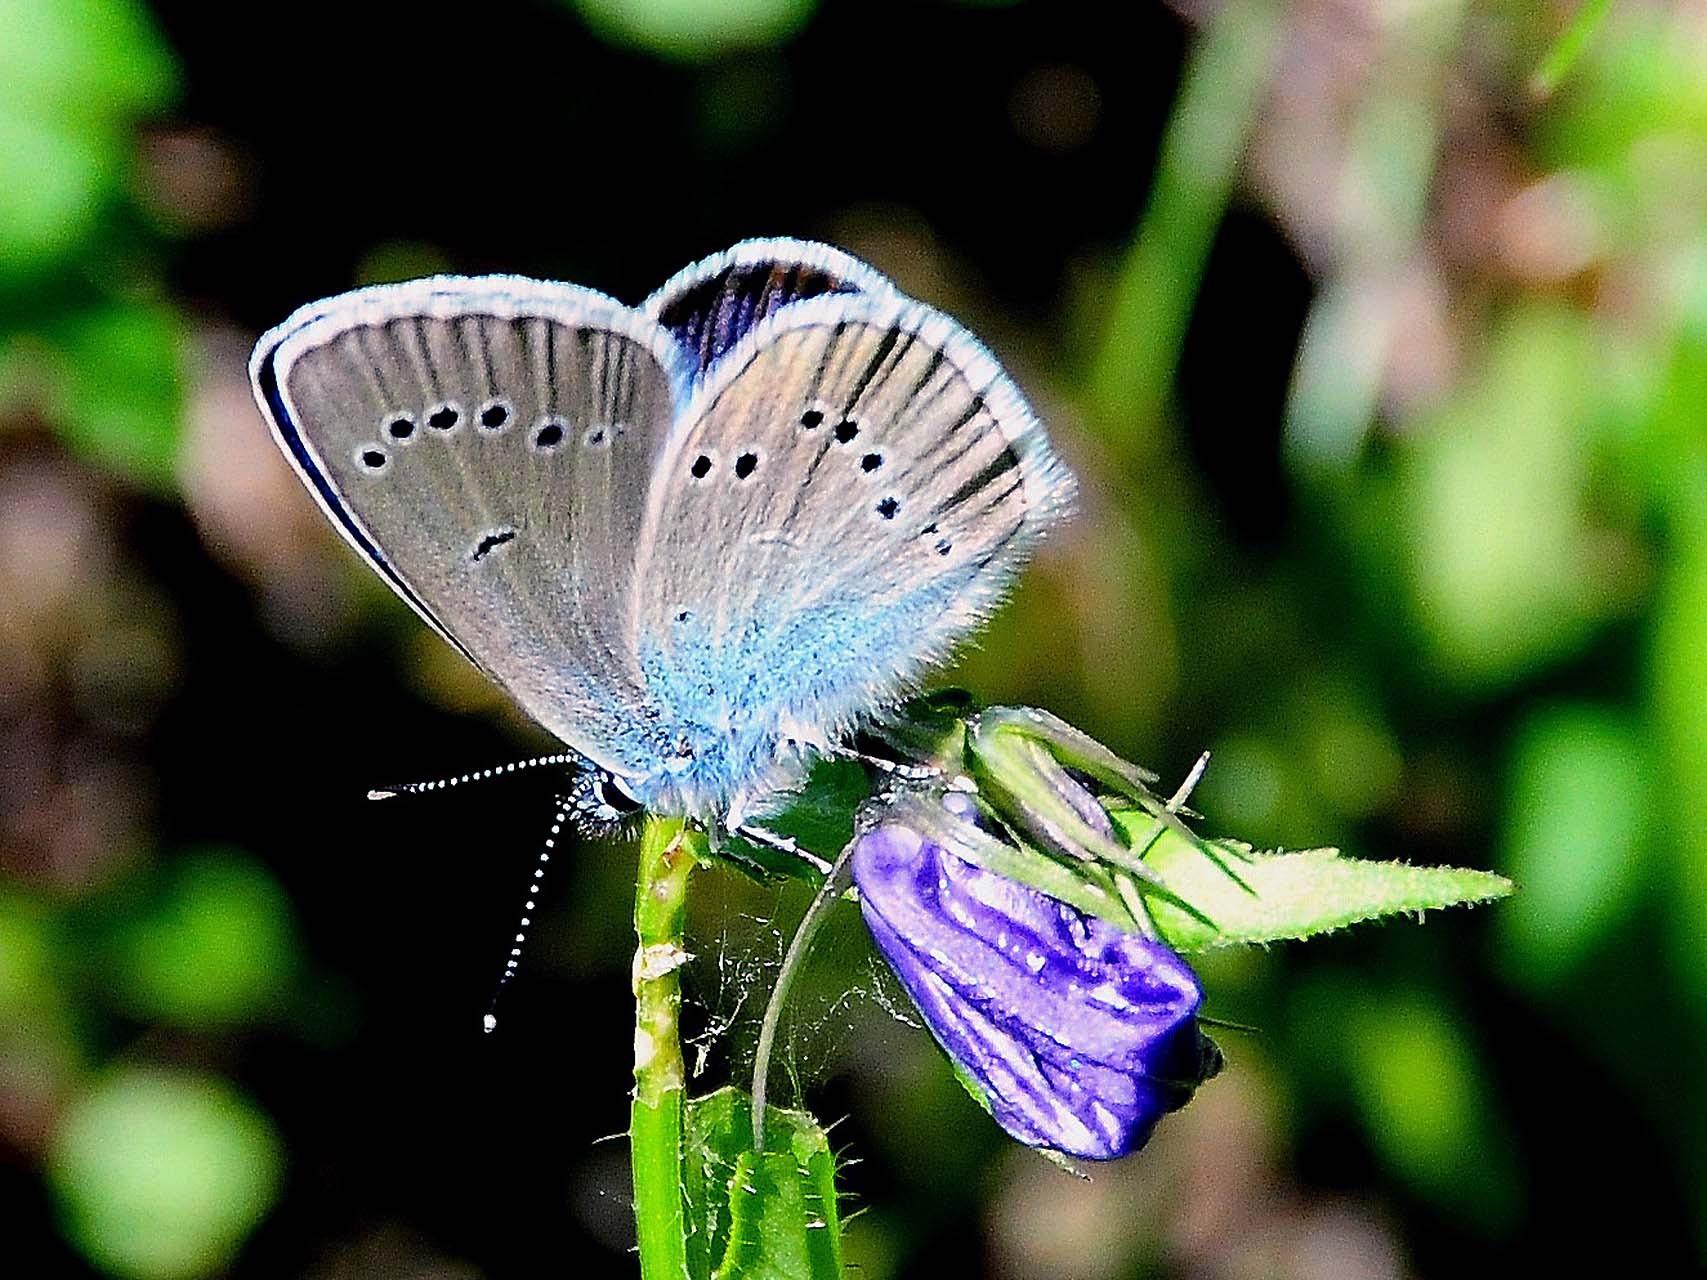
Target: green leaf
1197,170
28,942
1677,673
1271,897
759,1217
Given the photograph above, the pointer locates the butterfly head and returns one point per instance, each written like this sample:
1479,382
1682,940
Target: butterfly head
602,802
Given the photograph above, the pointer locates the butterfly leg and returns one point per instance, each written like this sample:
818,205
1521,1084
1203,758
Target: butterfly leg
782,844
894,768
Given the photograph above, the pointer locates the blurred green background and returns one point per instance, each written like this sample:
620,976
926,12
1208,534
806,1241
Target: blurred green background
1377,331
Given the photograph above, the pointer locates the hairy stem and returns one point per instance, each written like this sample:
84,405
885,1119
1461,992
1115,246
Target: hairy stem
655,1124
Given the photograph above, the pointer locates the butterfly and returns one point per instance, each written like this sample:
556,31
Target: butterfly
701,540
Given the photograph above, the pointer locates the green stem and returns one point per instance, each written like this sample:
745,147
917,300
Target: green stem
1569,47
1213,115
1384,186
660,1083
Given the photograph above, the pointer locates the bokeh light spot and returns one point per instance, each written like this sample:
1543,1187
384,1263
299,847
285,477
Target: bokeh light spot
695,30
161,1174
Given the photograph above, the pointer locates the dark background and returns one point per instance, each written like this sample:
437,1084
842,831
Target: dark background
1396,497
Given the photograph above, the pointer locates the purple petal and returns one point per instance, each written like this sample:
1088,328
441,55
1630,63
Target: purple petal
1079,1036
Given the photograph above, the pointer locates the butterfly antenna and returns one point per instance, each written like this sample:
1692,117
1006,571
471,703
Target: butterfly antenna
791,963
476,775
490,1021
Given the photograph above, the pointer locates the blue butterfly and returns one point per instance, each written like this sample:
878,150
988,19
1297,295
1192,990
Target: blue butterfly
700,540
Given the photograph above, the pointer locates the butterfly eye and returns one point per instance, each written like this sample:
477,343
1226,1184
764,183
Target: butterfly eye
609,792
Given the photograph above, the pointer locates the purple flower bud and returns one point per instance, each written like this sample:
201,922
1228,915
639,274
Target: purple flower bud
1078,1035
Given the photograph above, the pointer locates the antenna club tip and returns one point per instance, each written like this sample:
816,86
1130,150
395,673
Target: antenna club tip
489,1023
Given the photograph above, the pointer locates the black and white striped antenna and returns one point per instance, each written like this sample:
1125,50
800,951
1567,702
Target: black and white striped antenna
473,775
489,1022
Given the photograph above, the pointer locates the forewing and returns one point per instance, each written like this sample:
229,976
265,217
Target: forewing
853,487
487,444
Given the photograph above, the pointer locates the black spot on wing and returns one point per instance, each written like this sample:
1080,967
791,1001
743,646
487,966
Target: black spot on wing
491,542
267,378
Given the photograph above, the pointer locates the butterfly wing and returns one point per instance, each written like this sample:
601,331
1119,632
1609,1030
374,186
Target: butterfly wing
854,486
487,444
713,304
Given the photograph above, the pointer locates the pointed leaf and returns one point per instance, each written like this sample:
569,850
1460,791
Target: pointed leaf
1270,897
775,1230
769,1217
